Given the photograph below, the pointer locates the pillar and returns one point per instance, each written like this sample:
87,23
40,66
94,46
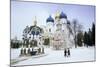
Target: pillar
43,50
24,51
21,52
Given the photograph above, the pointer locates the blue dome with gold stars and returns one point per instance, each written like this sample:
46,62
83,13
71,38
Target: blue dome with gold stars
63,15
50,19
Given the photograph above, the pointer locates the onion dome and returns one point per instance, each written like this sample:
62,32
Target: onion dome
50,19
35,30
37,33
57,15
63,15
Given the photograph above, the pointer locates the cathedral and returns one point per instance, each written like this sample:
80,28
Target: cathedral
57,31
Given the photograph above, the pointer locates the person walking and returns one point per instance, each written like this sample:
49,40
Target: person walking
65,52
68,52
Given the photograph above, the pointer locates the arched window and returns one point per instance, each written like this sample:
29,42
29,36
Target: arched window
49,30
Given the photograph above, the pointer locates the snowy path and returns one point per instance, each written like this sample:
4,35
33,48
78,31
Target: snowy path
53,56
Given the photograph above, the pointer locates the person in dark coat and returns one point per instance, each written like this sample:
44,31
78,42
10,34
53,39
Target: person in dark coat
65,53
68,52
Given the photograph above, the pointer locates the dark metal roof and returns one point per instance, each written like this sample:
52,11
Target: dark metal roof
50,19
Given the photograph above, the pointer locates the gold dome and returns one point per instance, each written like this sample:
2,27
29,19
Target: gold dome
57,15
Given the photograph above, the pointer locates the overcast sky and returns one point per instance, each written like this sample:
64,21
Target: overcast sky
22,14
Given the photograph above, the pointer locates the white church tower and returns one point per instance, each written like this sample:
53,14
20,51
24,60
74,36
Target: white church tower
50,24
63,20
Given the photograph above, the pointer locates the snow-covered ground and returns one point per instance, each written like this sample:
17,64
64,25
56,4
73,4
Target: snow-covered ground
15,53
57,56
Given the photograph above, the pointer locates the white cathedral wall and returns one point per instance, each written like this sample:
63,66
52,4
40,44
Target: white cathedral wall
68,41
50,25
63,21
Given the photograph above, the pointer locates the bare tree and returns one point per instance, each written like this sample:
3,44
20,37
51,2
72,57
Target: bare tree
75,22
76,28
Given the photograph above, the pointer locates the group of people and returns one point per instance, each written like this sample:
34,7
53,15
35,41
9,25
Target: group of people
67,52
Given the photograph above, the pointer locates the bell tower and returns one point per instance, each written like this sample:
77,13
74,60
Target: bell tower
35,21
